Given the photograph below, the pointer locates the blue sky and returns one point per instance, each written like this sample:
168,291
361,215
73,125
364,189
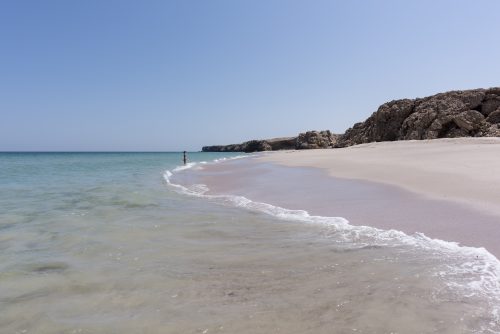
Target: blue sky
175,75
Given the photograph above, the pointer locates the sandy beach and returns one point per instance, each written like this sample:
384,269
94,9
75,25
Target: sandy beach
465,170
447,189
454,182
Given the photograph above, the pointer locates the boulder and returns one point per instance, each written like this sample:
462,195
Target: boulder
315,140
494,117
469,120
490,104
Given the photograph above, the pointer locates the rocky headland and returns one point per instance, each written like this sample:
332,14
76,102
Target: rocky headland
467,113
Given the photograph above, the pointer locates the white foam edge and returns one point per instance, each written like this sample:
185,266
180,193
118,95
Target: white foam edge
483,265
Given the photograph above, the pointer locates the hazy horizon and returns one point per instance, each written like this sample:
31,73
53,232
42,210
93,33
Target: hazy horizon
176,75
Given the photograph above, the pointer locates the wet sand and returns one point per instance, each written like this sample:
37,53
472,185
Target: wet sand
362,202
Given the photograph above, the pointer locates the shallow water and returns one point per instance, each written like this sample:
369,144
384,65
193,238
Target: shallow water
101,243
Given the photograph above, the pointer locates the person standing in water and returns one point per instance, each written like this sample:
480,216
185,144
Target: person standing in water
185,158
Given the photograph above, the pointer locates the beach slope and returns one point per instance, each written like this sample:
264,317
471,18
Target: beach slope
465,170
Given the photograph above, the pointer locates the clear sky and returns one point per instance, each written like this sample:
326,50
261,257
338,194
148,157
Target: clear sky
175,75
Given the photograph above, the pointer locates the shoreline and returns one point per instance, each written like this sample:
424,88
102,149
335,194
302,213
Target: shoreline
311,181
463,170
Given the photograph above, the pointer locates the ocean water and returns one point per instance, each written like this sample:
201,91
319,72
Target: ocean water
110,243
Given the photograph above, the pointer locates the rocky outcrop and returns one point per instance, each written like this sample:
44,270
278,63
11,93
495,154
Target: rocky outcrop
315,139
249,146
282,143
274,144
306,140
470,113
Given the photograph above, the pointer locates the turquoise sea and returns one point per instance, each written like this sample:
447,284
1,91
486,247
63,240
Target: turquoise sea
106,243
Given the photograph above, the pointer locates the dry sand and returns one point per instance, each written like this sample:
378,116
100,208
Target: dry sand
465,170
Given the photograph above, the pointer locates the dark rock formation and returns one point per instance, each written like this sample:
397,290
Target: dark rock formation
468,113
306,140
473,113
282,143
255,146
494,117
315,139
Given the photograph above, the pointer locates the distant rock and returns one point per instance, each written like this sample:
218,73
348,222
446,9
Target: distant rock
287,143
274,144
469,113
306,140
315,139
